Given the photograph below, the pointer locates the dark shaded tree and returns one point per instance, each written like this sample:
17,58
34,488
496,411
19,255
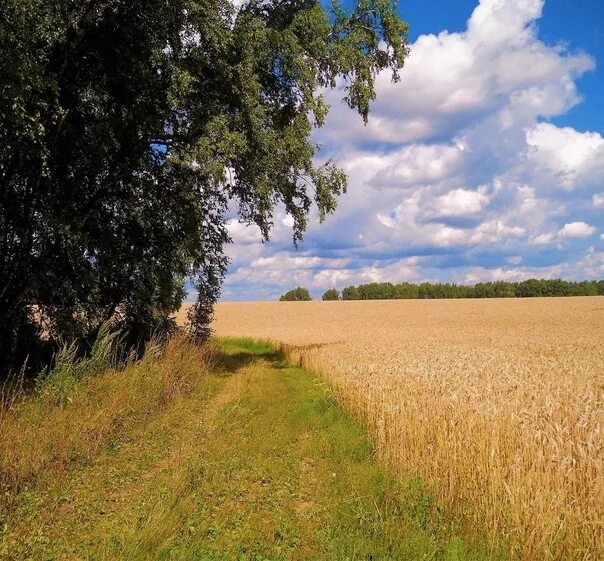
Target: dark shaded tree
130,129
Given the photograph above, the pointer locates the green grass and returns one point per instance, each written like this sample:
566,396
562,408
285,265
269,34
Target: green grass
258,463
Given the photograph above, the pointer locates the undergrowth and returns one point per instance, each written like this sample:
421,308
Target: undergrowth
74,411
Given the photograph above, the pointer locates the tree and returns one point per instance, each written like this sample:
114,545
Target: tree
531,288
406,291
331,294
129,127
495,289
351,293
298,294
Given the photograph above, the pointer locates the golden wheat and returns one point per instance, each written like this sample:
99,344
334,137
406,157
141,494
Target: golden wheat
496,404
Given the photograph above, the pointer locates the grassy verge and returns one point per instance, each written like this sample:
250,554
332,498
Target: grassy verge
256,461
82,406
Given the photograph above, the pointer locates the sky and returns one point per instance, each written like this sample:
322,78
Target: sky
485,162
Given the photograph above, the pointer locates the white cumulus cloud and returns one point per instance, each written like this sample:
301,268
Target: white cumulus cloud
459,174
570,156
576,230
461,202
451,79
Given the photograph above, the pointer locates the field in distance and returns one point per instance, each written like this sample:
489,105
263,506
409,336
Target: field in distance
496,404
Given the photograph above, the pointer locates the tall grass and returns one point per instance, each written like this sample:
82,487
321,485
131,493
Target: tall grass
83,404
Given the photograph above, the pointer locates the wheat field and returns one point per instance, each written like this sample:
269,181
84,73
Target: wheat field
498,405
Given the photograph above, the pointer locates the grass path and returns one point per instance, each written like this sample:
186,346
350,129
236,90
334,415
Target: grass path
259,463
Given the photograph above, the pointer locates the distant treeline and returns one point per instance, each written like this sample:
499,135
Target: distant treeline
499,289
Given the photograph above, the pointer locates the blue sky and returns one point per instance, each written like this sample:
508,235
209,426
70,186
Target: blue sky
485,162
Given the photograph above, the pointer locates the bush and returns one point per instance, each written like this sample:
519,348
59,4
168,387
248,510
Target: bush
331,294
298,294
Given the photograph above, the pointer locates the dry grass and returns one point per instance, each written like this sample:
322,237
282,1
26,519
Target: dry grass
496,404
81,406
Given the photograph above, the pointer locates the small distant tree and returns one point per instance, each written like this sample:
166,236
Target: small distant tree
331,294
297,294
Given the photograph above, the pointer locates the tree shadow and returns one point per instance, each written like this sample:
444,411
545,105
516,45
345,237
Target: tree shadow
227,364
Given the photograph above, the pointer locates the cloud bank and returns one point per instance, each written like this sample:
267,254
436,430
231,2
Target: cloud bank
460,175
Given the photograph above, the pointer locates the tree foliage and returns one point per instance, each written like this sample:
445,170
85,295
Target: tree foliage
497,289
351,293
132,130
298,294
331,294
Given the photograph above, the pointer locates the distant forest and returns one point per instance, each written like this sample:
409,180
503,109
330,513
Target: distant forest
498,289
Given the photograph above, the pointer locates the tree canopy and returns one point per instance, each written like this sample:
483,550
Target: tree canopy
132,130
298,294
497,289
331,294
